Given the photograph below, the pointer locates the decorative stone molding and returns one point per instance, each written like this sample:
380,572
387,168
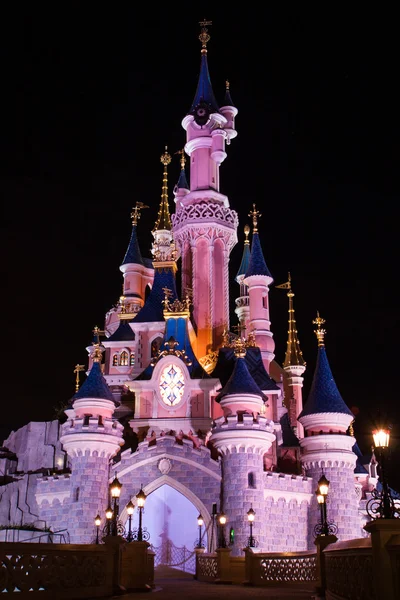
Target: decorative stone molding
288,496
323,420
86,444
50,497
133,462
205,212
164,466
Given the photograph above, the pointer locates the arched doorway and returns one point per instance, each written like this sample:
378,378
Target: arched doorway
171,520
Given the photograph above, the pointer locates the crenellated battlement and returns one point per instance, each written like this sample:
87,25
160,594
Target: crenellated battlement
244,421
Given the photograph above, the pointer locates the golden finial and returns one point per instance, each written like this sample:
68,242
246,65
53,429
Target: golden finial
167,295
239,348
255,214
97,354
182,159
320,333
351,428
77,370
135,214
227,85
166,157
122,304
247,233
204,36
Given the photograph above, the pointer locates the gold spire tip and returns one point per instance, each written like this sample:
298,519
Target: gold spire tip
255,214
135,214
319,332
166,157
246,233
227,85
204,36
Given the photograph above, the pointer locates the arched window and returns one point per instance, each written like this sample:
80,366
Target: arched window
123,359
76,494
155,346
132,359
115,360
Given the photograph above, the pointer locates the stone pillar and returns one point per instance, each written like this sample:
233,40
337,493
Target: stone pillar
386,574
321,542
224,565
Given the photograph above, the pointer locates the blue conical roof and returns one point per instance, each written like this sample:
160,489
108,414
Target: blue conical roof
257,264
153,307
204,92
360,460
228,99
122,333
133,254
182,181
240,382
324,397
244,265
95,386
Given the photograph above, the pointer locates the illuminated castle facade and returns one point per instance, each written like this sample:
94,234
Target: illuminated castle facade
203,419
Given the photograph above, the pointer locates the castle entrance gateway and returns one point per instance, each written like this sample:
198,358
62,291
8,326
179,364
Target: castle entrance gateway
180,483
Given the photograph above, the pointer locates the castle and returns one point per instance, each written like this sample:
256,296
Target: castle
202,419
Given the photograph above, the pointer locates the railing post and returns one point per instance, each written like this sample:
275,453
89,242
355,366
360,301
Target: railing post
223,565
322,541
115,544
248,566
199,552
382,530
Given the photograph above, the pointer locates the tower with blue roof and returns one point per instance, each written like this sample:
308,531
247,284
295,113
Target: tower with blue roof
327,448
91,438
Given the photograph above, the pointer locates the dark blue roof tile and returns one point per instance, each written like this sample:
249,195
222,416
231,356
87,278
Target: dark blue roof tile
324,397
204,92
95,386
244,265
182,181
240,382
133,254
153,307
226,362
122,333
257,265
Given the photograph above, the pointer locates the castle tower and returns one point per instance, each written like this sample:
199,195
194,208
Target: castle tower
242,437
204,226
242,303
258,278
327,449
294,365
91,438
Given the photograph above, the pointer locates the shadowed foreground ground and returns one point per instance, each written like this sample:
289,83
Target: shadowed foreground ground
172,584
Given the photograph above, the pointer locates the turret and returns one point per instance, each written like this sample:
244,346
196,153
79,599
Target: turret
327,448
91,438
258,278
242,303
294,365
204,226
242,436
229,110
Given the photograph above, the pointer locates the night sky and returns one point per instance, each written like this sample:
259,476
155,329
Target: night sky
91,99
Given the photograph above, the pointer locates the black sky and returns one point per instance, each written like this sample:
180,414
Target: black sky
90,100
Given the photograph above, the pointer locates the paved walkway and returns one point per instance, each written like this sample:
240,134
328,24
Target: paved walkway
172,584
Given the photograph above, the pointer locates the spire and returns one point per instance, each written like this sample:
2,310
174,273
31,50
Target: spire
324,396
204,93
241,381
182,181
228,99
133,254
257,264
95,386
293,356
244,265
164,220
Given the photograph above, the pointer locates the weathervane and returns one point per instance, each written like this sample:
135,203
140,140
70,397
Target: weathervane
320,333
135,214
77,370
255,214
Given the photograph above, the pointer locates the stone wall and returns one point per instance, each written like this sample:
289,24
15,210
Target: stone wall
18,503
53,499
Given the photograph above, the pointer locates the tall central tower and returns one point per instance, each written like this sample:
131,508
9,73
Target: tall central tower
204,226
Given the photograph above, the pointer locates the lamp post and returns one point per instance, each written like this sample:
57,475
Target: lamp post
251,543
109,516
200,522
323,527
141,499
115,489
222,521
382,505
129,509
97,522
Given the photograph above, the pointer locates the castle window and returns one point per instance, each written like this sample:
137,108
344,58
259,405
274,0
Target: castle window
100,421
76,494
155,346
251,480
123,359
115,360
132,359
86,420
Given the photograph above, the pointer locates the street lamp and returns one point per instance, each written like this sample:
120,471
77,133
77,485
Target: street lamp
141,499
130,507
97,522
323,527
251,543
109,516
222,521
381,505
200,522
115,489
